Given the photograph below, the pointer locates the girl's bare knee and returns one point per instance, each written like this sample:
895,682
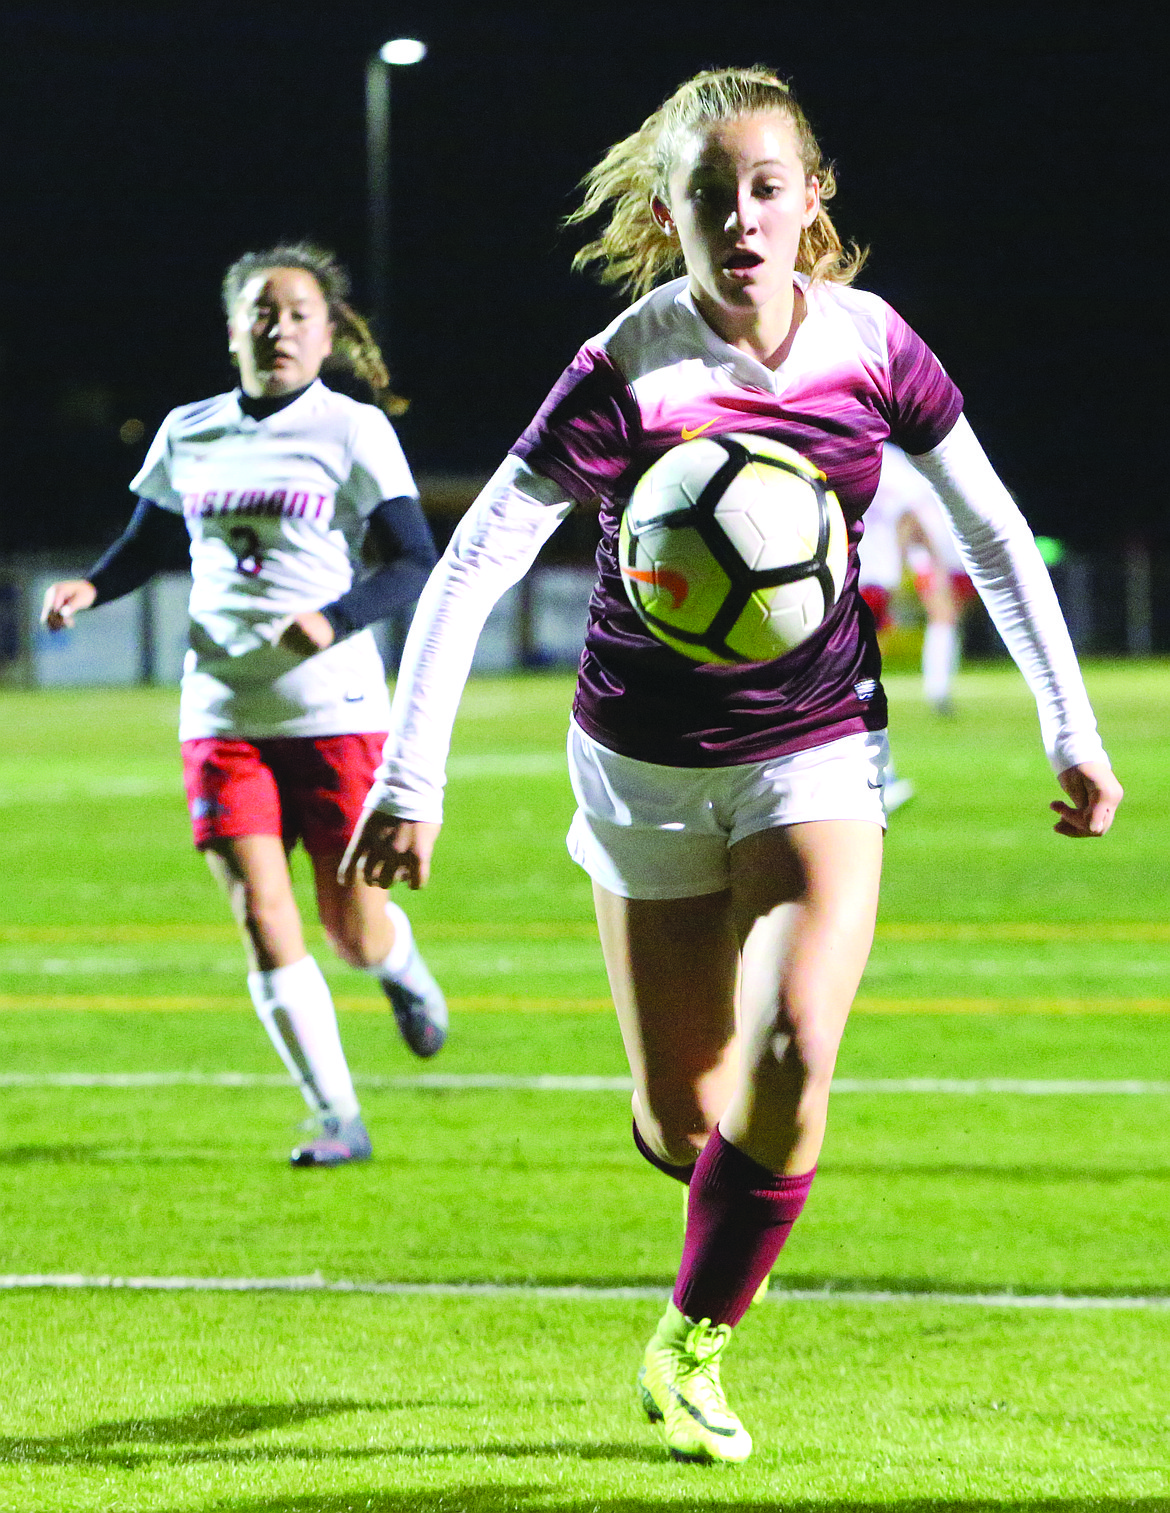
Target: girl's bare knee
675,1131
807,1042
673,1145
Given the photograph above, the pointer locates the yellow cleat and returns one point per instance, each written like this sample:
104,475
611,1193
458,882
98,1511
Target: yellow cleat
681,1391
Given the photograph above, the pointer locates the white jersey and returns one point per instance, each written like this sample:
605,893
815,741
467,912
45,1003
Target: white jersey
903,490
276,509
879,553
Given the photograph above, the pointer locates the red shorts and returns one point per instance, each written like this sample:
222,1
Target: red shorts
962,589
298,787
878,600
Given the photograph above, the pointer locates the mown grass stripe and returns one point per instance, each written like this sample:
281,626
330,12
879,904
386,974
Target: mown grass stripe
19,789
178,1003
555,1083
980,932
69,1282
1025,931
182,1003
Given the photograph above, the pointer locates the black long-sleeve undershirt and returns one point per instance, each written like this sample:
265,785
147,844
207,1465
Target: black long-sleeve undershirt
401,539
156,541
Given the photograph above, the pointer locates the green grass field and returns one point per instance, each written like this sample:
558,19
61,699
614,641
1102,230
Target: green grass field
1003,952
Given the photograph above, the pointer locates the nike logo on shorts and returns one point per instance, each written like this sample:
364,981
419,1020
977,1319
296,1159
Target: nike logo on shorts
689,434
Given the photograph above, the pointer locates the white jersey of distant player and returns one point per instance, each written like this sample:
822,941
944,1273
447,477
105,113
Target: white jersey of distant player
276,509
880,553
903,490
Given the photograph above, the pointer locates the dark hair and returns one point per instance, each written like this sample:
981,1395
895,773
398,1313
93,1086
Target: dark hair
354,347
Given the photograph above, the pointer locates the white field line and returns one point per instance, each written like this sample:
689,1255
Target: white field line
76,1281
1029,1086
549,1083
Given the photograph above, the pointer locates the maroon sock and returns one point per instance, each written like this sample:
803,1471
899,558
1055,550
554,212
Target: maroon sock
739,1215
679,1173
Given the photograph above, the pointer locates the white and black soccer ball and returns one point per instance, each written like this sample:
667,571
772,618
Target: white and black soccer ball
733,549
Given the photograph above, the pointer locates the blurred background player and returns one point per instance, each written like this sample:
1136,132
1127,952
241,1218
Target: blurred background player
730,817
940,578
278,487
881,564
906,527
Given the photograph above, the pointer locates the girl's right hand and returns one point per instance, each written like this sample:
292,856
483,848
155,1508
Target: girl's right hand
64,600
385,849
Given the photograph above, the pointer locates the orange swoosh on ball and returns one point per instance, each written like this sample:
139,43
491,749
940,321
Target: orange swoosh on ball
689,435
673,583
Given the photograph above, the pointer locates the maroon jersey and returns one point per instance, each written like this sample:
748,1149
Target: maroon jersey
855,376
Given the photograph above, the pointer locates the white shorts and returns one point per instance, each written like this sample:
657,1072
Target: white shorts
646,831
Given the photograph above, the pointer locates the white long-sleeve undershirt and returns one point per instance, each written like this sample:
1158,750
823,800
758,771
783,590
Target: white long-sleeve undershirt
495,544
1005,565
501,535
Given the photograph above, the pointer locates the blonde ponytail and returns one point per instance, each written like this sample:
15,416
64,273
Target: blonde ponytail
632,250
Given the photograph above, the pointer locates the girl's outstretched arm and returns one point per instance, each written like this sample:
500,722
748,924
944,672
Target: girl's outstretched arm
1005,565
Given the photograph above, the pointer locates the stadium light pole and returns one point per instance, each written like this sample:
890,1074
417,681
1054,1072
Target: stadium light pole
401,52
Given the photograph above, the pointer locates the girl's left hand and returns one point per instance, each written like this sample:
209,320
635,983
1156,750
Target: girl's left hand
1095,794
307,634
384,850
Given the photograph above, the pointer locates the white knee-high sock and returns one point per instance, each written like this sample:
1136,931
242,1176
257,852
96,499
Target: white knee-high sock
940,657
295,1007
399,953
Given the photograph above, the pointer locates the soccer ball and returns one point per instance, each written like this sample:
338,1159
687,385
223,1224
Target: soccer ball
732,549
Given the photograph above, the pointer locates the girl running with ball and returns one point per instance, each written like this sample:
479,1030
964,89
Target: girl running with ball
279,486
730,816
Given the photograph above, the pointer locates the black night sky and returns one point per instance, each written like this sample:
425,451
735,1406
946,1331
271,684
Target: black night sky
1005,163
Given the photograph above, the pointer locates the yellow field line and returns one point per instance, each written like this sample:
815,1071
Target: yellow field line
959,932
867,1005
132,1003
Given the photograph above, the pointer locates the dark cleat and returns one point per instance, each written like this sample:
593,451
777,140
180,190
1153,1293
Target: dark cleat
337,1143
420,1009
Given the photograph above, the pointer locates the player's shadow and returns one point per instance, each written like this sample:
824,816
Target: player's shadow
101,1155
843,1287
197,1438
198,1426
994,1171
49,1155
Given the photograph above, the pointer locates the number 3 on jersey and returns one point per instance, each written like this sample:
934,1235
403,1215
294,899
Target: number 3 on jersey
245,545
